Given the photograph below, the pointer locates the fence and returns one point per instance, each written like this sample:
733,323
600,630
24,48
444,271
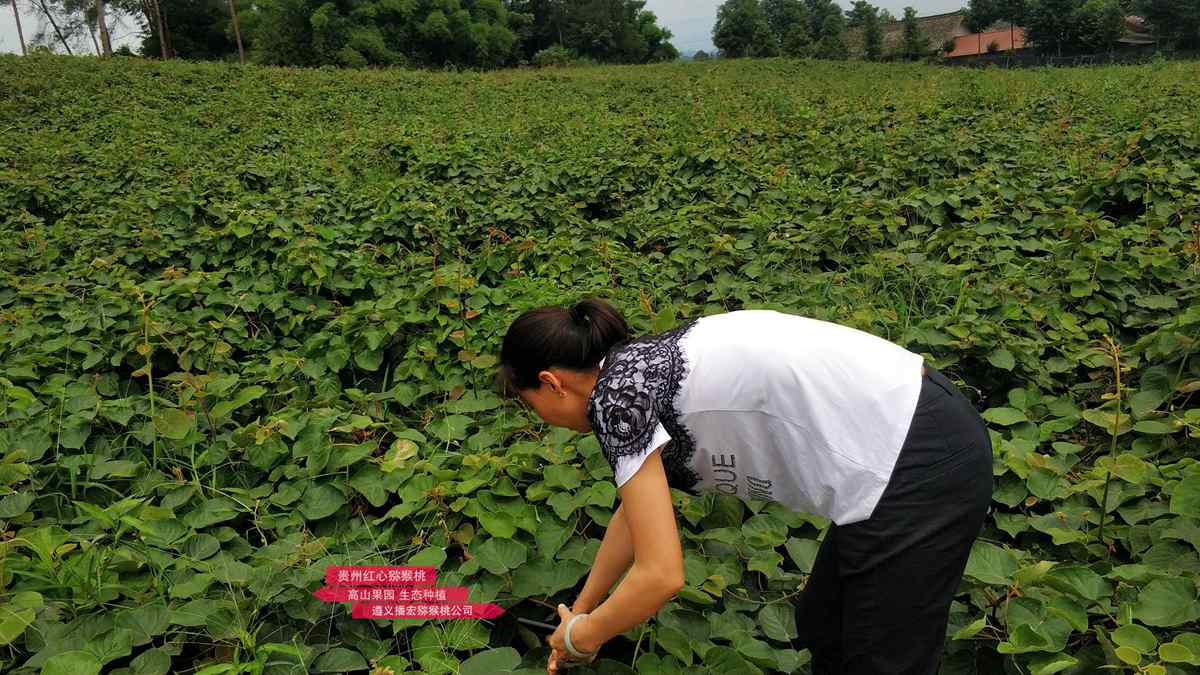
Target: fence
1032,58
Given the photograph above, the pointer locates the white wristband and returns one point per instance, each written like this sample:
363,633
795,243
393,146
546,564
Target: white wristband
567,638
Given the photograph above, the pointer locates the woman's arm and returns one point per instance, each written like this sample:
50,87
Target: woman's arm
613,558
657,570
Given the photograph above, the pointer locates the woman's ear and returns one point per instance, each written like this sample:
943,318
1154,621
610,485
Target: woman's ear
552,380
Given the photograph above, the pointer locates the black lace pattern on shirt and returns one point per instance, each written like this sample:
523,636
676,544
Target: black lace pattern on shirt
635,391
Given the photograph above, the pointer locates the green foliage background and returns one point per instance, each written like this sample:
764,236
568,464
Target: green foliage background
248,319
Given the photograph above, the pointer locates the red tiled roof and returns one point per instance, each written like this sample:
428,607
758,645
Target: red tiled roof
977,43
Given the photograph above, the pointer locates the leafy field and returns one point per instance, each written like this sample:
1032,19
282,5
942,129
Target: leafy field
248,320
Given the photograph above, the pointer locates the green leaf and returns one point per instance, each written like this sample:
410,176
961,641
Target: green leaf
15,504
765,562
803,552
675,643
1156,301
340,660
1108,420
1175,652
13,622
1078,580
764,530
1167,602
778,621
1136,637
1002,359
1185,498
154,661
368,359
321,500
1004,416
546,576
398,455
491,662
212,511
721,659
450,428
222,409
1048,664
564,476
991,564
498,555
174,423
499,524
1129,655
1155,427
970,630
74,662
1125,466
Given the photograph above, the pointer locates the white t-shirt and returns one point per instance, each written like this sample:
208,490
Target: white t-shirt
764,405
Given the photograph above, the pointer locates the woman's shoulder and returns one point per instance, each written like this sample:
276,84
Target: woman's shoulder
649,352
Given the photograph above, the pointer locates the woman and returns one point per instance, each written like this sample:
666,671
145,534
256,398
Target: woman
820,417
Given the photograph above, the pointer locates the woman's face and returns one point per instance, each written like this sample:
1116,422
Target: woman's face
560,400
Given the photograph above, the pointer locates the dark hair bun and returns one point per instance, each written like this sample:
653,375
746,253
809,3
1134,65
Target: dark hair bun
577,337
579,314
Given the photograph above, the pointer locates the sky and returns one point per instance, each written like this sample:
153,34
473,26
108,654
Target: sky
690,21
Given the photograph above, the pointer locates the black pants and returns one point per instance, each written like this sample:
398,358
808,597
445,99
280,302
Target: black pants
879,595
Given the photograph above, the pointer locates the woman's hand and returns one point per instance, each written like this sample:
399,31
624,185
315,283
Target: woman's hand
560,658
560,661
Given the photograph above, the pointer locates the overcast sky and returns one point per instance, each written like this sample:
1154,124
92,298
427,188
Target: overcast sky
690,21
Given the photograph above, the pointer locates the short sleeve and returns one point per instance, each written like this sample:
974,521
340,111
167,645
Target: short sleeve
628,465
623,413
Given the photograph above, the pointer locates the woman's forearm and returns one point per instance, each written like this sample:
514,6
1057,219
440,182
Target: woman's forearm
638,597
613,558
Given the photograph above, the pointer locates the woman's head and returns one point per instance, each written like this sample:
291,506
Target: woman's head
550,356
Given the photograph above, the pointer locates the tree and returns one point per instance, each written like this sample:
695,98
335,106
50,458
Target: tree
797,42
857,14
982,13
237,33
20,33
1074,25
612,31
1176,22
789,23
872,37
741,29
198,30
656,38
865,16
1101,23
818,12
105,42
832,45
700,55
913,43
783,14
1050,24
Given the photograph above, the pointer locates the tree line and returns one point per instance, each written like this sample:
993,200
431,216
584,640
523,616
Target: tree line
821,29
810,28
437,33
1079,26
